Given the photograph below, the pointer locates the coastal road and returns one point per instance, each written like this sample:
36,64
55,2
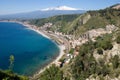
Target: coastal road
56,38
60,38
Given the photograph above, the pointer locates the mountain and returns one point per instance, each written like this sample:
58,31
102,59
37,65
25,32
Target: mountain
117,6
59,8
95,60
78,24
44,13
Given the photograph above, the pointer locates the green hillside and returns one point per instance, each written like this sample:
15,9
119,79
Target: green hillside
58,21
9,75
93,61
86,64
77,24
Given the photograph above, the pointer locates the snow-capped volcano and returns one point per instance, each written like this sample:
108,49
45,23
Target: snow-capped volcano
59,8
44,13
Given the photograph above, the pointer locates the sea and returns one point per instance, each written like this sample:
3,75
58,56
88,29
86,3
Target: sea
31,50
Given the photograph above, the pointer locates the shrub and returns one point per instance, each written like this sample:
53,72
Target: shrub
99,51
107,45
118,39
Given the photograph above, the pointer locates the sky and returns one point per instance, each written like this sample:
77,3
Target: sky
19,6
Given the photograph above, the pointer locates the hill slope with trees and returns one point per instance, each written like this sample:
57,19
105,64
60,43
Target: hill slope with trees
99,60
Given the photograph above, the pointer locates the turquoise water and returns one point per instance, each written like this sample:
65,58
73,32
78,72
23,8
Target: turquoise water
30,49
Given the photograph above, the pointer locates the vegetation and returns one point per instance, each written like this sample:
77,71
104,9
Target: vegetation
104,42
100,51
116,62
118,39
85,64
11,62
78,24
9,74
59,21
53,73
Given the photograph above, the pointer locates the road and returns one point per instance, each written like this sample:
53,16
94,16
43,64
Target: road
58,39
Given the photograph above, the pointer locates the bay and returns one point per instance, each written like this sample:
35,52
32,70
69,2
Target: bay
30,49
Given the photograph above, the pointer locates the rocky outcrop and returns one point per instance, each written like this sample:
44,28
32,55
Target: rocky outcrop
97,32
84,19
109,53
92,34
116,7
110,28
95,77
115,50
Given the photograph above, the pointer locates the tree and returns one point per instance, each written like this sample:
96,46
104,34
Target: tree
100,51
116,61
52,73
6,75
107,45
118,39
11,59
104,42
9,75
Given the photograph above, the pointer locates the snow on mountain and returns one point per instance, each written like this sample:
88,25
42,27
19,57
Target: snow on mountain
59,8
44,13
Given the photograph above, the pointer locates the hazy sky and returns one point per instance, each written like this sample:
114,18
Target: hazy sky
17,6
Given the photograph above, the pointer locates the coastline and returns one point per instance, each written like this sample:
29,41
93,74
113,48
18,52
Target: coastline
54,61
60,46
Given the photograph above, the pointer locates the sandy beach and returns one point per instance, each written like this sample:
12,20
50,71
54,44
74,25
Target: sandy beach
36,76
61,47
38,31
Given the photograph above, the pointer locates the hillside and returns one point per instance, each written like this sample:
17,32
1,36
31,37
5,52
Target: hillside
39,14
59,21
98,60
77,24
116,6
95,46
96,50
9,75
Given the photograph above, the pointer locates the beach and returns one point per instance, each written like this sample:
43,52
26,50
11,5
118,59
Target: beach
61,47
36,75
48,36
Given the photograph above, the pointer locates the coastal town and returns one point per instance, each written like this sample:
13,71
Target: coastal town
67,42
60,40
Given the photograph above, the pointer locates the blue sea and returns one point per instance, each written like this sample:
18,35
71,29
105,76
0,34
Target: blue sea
30,49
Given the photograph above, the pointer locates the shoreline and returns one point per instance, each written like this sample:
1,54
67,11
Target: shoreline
29,27
55,60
